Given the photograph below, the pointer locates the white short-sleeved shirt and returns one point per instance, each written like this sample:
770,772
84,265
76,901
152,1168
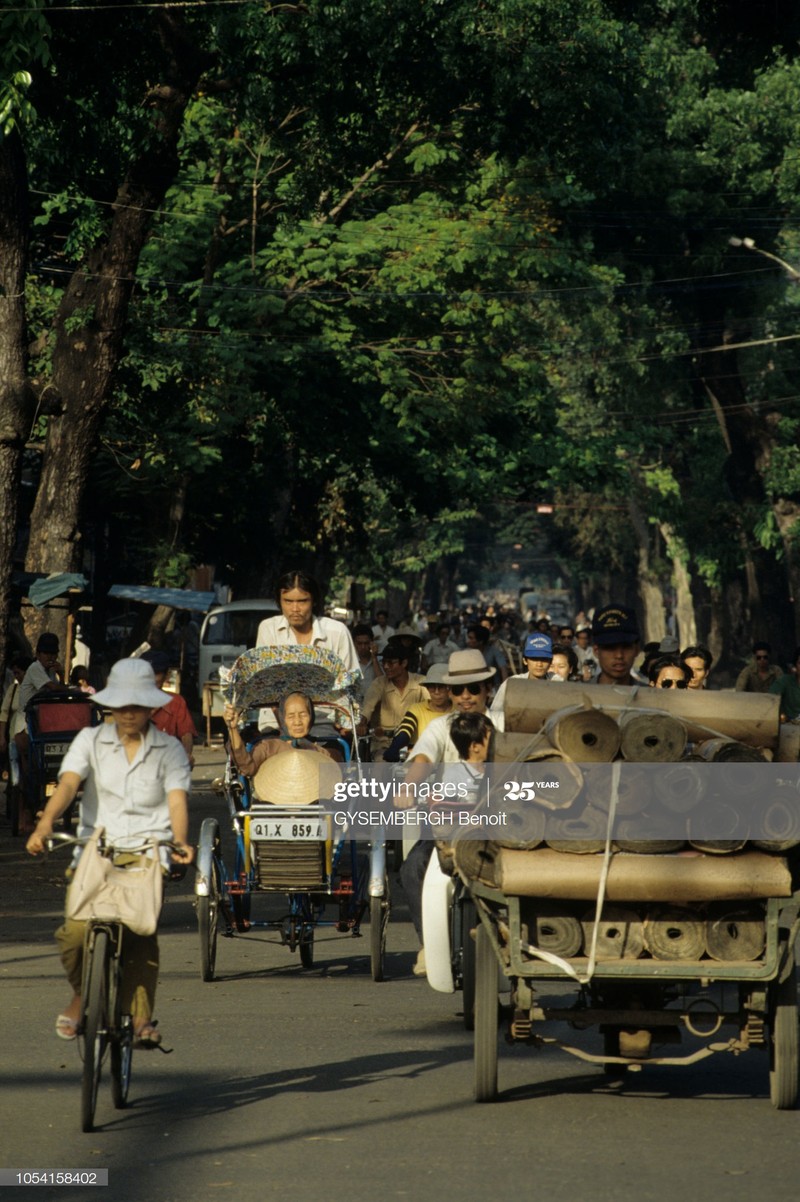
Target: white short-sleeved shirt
325,632
129,800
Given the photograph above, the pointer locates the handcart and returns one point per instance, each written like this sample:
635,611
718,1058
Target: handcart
285,850
54,718
717,970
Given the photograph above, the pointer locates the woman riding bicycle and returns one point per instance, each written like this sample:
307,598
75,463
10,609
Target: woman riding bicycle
135,784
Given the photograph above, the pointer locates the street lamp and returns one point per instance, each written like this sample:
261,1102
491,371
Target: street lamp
749,244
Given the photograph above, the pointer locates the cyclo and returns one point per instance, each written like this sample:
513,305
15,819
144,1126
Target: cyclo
290,848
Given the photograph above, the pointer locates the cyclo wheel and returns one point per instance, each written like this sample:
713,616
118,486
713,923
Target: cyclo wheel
306,946
94,1022
783,1044
378,922
469,919
208,923
485,1061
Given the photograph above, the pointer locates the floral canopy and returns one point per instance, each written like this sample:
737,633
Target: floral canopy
265,675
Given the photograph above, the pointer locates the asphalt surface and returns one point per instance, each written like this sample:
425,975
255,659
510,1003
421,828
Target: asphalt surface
308,1084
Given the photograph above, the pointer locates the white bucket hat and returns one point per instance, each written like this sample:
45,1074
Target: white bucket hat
131,682
436,674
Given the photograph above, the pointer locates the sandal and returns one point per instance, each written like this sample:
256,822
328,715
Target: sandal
147,1037
66,1027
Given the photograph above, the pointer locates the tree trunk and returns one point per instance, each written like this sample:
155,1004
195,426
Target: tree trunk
684,604
651,594
16,396
91,319
787,515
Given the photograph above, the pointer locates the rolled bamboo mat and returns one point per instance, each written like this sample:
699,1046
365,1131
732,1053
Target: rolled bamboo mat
553,931
476,860
583,735
647,834
525,825
674,933
725,822
581,834
679,788
752,718
788,743
679,878
778,819
633,790
620,934
729,751
651,738
735,932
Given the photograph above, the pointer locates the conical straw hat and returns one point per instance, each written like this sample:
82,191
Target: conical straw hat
295,777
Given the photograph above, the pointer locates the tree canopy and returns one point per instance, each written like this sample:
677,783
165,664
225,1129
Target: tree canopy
356,284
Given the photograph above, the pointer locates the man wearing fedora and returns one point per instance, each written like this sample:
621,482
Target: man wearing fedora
419,716
468,679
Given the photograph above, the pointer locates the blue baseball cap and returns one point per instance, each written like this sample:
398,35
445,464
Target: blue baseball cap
538,646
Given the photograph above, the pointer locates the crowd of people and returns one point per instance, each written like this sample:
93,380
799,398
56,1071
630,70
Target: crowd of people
432,692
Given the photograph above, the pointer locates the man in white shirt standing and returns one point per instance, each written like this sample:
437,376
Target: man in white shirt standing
382,631
299,598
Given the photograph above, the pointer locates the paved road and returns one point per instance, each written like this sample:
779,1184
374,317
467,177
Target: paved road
322,1084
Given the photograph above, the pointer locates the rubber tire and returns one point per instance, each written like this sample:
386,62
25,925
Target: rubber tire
95,1021
121,1058
783,1043
378,922
208,909
486,1010
469,919
306,946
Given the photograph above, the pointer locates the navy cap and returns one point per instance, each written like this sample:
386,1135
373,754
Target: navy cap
614,624
538,646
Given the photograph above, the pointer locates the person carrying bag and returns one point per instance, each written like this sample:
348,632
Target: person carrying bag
135,783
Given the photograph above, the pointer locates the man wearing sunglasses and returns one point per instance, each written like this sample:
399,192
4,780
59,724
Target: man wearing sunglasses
669,672
760,675
468,679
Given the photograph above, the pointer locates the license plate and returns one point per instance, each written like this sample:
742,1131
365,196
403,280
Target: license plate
56,748
289,829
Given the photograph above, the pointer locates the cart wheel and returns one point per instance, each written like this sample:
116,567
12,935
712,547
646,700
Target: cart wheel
378,922
307,947
469,920
485,1062
95,1027
783,1046
208,924
121,1056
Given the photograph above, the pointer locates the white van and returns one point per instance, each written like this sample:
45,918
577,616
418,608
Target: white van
227,631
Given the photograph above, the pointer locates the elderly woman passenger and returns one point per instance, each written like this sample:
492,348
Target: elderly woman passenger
295,716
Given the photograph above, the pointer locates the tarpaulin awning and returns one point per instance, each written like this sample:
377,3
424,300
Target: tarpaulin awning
175,598
48,587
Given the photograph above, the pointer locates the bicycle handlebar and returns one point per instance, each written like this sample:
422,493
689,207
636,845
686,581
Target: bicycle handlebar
104,846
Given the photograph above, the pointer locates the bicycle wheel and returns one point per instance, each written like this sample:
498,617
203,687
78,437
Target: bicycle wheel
208,923
121,1058
94,1022
378,922
469,920
485,1062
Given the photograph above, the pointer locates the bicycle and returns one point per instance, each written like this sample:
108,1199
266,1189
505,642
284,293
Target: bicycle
102,1025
